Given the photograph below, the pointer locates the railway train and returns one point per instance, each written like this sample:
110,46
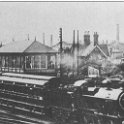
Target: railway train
84,101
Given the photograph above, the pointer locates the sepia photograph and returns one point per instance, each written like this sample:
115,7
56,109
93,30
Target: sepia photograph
61,62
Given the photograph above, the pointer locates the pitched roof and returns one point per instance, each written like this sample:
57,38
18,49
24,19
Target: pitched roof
103,48
26,47
87,50
37,47
15,47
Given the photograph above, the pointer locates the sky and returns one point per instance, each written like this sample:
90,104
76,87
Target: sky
18,19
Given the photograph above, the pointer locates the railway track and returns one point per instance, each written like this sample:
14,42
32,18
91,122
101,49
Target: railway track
18,107
7,117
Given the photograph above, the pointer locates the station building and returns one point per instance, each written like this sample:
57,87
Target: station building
28,57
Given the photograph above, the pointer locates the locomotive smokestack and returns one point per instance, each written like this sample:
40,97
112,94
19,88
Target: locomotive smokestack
117,33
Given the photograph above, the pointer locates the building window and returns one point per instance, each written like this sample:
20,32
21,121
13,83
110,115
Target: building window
28,62
10,64
51,61
6,61
3,61
36,62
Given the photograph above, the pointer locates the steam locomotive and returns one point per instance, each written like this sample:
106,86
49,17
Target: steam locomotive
87,101
83,101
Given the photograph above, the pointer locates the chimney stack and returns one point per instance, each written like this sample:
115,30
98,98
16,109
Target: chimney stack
87,38
95,38
117,33
77,42
35,38
77,51
1,45
106,41
44,38
51,40
73,41
28,37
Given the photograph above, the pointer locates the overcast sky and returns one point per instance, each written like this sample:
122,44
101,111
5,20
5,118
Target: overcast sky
18,19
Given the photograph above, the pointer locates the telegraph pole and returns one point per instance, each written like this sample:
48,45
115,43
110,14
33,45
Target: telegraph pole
61,49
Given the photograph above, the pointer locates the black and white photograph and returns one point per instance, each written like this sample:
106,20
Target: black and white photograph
61,62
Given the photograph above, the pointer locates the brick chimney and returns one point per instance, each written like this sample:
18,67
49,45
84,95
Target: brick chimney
87,38
95,38
1,45
51,40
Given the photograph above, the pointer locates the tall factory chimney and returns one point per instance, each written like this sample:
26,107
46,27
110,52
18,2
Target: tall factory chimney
74,52
43,38
51,40
77,50
73,41
117,33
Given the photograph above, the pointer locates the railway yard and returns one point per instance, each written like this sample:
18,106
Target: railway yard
31,99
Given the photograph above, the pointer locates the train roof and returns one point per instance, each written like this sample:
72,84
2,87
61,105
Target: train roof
25,78
28,76
23,81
